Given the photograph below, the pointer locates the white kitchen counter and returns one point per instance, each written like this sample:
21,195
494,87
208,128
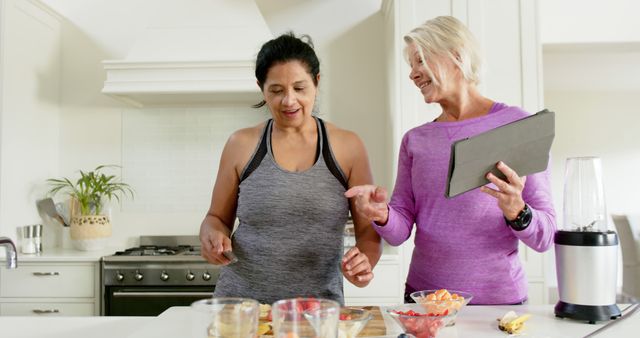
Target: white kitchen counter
65,255
71,327
473,321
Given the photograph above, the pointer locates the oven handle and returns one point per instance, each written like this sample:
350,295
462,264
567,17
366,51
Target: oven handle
161,294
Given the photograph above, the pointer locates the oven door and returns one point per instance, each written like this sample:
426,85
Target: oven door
150,300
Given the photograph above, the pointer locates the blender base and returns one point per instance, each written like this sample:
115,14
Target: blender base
589,313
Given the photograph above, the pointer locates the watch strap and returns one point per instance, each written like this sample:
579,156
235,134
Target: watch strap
522,221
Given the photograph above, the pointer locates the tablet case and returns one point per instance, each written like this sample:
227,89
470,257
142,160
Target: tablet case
523,145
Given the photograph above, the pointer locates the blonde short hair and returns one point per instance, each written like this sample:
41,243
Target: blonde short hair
446,36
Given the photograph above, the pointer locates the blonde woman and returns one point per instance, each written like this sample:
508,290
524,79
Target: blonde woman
469,242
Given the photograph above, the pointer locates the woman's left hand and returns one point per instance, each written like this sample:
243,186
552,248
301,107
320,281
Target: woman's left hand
509,192
356,267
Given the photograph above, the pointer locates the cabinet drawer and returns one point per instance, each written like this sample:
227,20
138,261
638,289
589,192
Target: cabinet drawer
48,280
46,309
386,283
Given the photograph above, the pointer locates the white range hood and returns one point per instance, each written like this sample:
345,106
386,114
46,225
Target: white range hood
197,54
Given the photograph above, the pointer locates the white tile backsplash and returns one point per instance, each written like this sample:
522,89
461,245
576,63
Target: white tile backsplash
170,156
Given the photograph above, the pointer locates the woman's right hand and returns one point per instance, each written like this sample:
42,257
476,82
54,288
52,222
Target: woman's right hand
214,243
371,202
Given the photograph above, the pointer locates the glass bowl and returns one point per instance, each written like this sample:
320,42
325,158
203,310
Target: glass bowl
414,320
352,321
443,301
224,317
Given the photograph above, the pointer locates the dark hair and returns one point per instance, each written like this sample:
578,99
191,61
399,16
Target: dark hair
286,47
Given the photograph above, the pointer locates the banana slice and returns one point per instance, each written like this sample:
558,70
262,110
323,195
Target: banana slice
264,328
512,323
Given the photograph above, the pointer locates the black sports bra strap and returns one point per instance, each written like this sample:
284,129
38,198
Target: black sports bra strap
260,153
328,157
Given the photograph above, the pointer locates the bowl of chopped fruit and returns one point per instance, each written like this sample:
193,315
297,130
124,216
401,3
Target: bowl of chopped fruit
439,301
414,320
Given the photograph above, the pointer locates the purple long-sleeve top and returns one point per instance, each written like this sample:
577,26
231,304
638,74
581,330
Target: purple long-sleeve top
463,243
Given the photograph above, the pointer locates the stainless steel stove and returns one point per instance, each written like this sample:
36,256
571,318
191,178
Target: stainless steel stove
162,272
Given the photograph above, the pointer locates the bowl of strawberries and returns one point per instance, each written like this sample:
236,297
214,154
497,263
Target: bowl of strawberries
414,320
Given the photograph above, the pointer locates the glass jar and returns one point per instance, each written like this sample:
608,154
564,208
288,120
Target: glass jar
584,204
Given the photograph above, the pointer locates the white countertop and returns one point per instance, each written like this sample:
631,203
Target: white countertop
473,321
65,255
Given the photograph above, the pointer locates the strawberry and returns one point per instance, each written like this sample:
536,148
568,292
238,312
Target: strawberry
344,316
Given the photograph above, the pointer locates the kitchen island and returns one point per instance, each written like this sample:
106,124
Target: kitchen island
473,321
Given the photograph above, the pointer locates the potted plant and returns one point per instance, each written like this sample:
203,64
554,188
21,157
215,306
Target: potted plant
90,227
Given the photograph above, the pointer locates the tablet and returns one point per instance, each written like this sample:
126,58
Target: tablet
523,145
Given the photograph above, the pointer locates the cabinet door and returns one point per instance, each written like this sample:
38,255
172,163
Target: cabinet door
46,309
532,261
537,292
383,289
48,280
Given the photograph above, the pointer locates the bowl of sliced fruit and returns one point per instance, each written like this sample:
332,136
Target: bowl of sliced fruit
352,321
439,301
414,320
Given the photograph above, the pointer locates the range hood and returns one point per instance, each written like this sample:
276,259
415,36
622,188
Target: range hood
202,53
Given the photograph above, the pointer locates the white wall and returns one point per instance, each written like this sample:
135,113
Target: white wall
29,107
587,21
92,124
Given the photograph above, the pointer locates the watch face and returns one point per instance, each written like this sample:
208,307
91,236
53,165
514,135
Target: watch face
526,218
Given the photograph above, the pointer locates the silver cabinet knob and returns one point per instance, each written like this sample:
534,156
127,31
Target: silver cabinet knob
206,276
138,276
119,276
164,276
190,276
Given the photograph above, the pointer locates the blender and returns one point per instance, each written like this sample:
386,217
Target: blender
586,250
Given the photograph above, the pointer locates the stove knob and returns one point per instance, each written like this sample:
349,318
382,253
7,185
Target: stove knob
138,276
190,276
119,276
206,276
164,276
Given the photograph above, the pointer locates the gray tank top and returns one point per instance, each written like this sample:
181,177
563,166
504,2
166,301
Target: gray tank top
289,239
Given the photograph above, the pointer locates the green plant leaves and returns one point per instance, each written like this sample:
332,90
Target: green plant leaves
91,189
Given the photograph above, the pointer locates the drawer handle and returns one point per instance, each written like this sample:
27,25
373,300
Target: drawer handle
55,273
42,312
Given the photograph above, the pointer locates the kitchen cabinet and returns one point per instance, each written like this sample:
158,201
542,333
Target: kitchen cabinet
50,288
386,288
58,282
507,32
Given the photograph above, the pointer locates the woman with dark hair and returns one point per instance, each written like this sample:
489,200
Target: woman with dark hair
285,180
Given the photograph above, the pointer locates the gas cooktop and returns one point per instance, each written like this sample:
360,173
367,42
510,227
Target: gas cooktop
160,248
155,250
